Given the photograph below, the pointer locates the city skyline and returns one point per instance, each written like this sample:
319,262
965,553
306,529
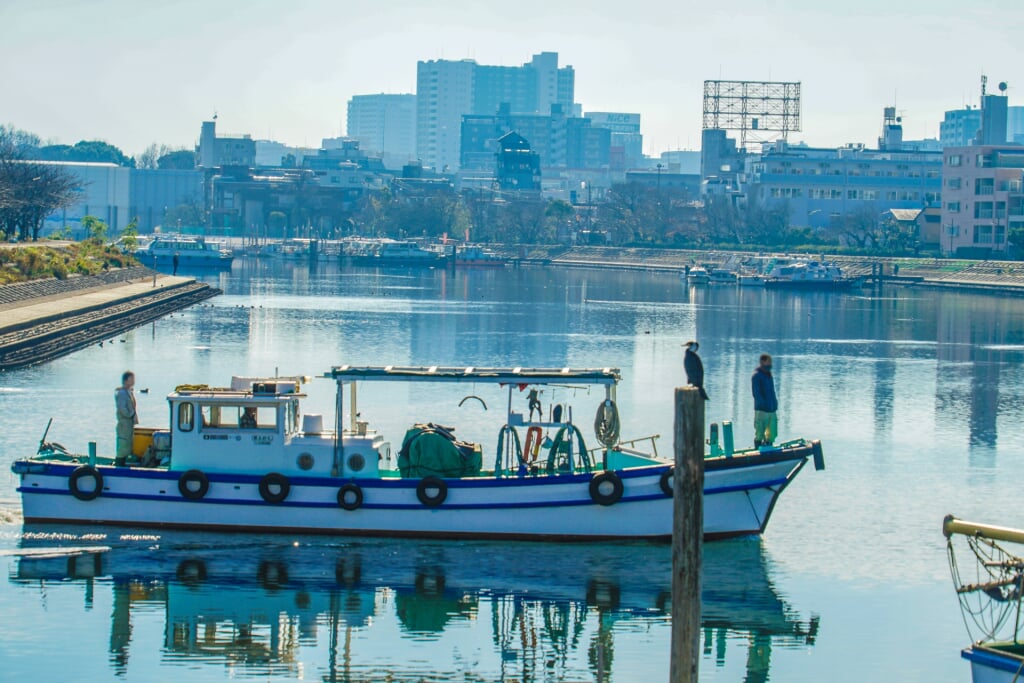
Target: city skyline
151,73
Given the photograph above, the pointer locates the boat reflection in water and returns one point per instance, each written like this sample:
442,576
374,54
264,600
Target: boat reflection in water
262,606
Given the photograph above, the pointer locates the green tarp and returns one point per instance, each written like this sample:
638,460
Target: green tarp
431,450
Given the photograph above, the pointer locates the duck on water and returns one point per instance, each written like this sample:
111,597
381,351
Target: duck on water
245,458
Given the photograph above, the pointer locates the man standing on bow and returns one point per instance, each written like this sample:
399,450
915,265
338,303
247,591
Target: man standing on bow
127,417
766,403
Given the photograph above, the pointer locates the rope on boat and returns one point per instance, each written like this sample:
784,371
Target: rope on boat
564,439
606,423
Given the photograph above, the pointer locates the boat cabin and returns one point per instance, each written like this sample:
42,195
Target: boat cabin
256,425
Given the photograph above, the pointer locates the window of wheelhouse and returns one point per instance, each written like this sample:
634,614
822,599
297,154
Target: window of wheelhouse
186,417
239,416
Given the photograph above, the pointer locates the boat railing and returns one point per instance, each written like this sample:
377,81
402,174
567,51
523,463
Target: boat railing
627,446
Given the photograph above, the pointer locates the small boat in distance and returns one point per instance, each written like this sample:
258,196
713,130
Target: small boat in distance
807,276
991,592
244,458
751,280
698,276
192,252
389,252
477,256
721,276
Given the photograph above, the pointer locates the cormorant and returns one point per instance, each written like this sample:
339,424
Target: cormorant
694,368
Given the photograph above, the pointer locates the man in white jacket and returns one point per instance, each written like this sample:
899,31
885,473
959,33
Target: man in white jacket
127,416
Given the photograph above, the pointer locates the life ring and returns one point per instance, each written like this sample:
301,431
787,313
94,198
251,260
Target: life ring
531,449
81,473
350,496
278,480
432,491
606,488
193,484
666,481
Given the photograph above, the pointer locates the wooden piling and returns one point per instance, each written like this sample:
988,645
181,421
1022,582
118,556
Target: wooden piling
687,534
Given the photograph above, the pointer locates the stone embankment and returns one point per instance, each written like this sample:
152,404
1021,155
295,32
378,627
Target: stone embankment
43,319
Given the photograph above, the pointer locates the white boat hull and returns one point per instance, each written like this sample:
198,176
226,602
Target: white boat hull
739,496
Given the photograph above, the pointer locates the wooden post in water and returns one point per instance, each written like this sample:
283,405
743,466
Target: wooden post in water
687,534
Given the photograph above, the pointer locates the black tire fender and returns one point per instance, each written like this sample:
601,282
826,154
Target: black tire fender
350,497
423,491
193,477
666,480
278,480
599,492
81,473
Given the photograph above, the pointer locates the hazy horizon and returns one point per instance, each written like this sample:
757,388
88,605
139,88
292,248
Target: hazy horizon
133,74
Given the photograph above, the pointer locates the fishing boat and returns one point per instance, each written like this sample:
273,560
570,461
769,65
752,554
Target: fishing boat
698,276
991,594
192,252
388,252
476,256
808,276
721,276
245,458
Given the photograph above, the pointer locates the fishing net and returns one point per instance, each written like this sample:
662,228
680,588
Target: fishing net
990,593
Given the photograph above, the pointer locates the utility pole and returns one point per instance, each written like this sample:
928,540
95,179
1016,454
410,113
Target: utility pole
687,535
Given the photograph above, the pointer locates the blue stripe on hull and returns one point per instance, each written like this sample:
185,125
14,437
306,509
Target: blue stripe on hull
994,659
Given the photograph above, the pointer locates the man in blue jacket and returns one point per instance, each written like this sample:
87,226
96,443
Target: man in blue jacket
766,403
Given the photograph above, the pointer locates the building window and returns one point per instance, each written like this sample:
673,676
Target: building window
984,185
983,210
953,207
1000,234
870,195
983,234
953,160
851,194
953,183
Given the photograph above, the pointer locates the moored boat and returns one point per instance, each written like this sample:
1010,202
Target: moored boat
698,276
240,458
721,276
388,252
808,276
476,256
192,252
991,591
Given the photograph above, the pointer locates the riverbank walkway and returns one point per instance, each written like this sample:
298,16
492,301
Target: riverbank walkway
44,319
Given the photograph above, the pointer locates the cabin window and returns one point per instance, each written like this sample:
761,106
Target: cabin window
239,416
186,417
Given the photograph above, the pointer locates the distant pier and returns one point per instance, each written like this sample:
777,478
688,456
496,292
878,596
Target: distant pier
44,319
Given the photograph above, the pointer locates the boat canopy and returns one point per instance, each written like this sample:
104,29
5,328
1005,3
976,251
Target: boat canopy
391,373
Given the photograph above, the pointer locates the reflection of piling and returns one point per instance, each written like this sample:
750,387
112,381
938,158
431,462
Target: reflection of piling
687,534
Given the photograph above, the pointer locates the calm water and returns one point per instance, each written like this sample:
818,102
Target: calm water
916,396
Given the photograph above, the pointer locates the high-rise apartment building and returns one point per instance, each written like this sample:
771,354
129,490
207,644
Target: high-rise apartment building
448,90
385,125
626,141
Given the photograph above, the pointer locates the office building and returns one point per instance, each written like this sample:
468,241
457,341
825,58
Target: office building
983,198
820,186
518,167
216,151
560,141
959,127
384,125
626,142
448,90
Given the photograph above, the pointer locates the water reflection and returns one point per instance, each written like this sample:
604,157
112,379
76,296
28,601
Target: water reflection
380,610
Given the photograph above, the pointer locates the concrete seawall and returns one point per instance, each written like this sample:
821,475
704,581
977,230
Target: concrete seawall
43,320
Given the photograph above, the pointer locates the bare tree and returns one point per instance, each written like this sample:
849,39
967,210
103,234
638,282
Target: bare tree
30,191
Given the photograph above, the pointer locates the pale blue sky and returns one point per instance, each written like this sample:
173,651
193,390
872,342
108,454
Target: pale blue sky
134,72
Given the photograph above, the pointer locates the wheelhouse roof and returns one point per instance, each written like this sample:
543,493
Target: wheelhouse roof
398,373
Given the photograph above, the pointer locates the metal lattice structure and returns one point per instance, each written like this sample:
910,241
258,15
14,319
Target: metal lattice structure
760,111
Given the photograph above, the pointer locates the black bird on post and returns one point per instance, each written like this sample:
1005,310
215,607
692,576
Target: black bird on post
694,368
